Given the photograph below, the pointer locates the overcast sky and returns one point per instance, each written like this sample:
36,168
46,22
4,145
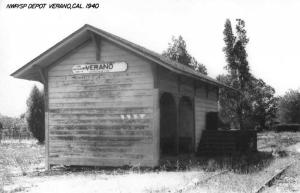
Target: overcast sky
272,26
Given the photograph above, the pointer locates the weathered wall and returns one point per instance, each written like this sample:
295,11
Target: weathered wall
102,119
182,90
206,100
173,83
203,96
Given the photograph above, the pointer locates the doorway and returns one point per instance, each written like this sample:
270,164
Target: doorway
168,124
186,126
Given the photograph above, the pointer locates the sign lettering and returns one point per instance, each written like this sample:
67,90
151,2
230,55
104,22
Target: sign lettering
99,68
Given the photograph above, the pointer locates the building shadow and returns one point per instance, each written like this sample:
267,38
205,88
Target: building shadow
237,163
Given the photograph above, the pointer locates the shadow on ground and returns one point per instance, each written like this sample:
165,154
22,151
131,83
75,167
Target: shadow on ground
246,163
238,163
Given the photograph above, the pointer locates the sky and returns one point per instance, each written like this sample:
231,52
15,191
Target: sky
272,26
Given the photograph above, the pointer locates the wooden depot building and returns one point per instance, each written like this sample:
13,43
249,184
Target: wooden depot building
110,102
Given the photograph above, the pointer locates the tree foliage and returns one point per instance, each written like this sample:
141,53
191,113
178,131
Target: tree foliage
289,107
238,69
13,127
35,114
260,108
229,40
228,101
177,51
264,104
255,104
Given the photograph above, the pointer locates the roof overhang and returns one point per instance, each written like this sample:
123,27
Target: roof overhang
31,71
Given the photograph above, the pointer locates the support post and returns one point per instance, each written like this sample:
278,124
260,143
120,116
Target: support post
177,99
156,128
97,43
194,116
44,79
42,74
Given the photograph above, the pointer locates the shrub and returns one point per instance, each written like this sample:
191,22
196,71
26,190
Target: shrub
13,127
287,127
289,107
35,114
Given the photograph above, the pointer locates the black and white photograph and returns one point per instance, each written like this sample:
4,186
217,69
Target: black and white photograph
160,96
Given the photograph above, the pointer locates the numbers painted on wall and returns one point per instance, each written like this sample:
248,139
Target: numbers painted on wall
132,116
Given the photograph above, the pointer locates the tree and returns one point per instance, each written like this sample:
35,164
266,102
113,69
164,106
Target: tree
239,74
177,51
35,114
13,126
289,107
264,104
229,40
198,66
1,128
261,104
228,101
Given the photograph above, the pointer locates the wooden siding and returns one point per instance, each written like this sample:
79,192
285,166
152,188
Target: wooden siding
179,86
173,83
167,81
206,100
104,119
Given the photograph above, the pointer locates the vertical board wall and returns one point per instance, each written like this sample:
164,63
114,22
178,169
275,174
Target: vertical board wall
206,100
103,119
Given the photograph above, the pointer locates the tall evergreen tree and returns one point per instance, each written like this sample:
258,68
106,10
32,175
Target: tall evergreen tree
255,105
238,69
229,40
35,114
1,128
177,51
235,53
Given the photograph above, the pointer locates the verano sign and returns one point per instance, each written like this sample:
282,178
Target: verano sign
99,68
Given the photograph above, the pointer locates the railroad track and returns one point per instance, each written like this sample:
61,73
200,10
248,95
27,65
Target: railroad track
270,181
197,182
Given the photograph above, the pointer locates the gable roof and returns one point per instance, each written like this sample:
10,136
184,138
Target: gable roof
30,71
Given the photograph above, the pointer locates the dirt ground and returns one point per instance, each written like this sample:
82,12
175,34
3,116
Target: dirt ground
289,181
21,167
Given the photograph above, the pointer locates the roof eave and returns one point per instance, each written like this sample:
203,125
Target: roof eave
171,65
16,74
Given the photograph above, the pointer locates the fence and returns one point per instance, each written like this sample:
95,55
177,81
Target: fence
294,127
18,136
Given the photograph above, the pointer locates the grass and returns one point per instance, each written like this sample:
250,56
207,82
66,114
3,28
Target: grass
21,170
19,158
272,140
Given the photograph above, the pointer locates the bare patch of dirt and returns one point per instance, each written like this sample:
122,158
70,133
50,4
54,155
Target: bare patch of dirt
245,173
288,182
